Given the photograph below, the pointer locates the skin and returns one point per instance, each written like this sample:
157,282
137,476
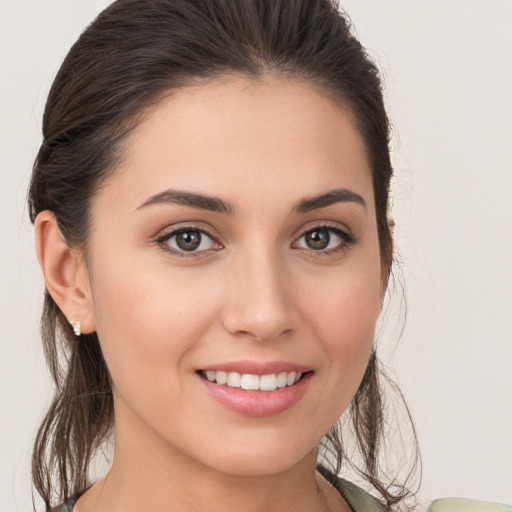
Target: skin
255,291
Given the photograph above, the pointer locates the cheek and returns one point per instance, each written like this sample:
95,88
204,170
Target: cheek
343,312
147,322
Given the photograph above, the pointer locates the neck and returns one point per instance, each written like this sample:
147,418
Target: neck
149,474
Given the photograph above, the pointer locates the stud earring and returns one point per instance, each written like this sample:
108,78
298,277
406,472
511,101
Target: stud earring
76,328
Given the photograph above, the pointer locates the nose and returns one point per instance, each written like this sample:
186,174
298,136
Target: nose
259,299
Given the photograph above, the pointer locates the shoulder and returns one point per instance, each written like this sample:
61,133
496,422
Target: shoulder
358,499
361,501
465,505
67,506
64,508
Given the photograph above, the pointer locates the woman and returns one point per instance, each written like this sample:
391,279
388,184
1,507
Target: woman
210,204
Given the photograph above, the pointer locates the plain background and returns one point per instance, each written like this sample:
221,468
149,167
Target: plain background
447,66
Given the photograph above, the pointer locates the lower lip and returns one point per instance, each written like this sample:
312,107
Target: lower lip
258,403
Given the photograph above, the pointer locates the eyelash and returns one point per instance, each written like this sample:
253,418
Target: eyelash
164,239
346,237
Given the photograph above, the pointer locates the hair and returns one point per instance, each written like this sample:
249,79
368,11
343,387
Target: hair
122,65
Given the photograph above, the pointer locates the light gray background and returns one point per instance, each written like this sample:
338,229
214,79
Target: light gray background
448,74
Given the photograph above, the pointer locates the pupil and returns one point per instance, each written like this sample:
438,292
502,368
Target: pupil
318,239
188,240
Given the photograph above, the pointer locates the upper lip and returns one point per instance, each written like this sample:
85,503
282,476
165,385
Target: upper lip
258,367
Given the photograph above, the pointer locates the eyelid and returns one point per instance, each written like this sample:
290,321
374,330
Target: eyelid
344,233
340,231
325,224
173,231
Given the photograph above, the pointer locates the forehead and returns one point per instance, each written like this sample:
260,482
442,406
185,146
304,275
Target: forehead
252,137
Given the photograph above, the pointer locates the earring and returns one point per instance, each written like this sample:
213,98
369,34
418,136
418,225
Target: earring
76,328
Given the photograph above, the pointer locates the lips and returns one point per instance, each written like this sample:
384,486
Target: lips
256,389
258,368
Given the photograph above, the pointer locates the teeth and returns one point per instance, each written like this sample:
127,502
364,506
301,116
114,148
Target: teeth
219,377
253,382
234,379
250,381
281,380
268,382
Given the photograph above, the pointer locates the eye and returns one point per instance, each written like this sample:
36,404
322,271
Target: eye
324,238
188,240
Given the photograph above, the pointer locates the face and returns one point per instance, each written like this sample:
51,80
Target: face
237,241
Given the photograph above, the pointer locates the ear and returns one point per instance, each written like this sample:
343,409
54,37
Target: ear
65,272
386,266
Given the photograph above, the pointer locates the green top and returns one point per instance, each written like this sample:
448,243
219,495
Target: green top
464,505
360,501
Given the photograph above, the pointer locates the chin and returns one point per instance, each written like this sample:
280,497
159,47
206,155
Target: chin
260,457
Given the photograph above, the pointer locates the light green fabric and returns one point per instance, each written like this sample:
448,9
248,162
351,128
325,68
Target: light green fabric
359,500
465,505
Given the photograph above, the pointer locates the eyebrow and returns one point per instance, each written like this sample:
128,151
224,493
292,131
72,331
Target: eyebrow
191,199
340,195
215,204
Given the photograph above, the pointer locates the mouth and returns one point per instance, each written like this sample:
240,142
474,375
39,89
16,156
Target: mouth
257,389
253,382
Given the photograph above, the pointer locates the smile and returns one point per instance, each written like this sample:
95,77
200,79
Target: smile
252,382
256,389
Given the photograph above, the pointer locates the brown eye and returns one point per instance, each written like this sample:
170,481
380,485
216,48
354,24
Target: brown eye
318,239
324,238
188,240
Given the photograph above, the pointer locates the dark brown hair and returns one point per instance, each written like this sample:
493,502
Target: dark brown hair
133,54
